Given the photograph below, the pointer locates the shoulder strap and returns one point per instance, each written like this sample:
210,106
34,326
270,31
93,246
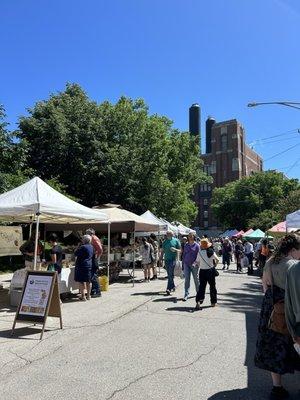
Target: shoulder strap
204,260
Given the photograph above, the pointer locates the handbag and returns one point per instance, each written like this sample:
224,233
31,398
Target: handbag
214,270
277,321
178,269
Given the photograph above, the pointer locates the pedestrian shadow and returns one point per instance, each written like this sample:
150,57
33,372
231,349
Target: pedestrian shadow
148,293
181,309
166,299
258,381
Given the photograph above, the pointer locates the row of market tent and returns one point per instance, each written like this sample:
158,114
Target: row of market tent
36,202
291,223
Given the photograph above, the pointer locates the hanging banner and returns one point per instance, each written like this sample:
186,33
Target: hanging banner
11,238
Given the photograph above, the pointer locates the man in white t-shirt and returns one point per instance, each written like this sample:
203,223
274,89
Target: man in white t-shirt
207,261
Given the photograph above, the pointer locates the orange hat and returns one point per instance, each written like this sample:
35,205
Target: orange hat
205,244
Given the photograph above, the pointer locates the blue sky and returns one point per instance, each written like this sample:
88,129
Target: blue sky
219,53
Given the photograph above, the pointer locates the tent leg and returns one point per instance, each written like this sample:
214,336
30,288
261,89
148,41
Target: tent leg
158,252
36,241
108,250
133,266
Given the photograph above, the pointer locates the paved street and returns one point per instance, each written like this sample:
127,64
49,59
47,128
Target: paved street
135,343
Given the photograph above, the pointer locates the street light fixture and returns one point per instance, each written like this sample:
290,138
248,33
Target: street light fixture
281,103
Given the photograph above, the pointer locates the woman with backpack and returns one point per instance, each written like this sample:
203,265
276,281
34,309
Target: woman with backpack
147,253
207,261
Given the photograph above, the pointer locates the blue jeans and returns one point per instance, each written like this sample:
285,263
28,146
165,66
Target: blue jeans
95,285
188,270
170,266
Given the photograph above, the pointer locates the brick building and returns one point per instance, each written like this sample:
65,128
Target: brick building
227,159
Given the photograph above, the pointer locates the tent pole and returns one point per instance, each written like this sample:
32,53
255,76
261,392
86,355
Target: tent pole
133,266
108,250
36,241
158,250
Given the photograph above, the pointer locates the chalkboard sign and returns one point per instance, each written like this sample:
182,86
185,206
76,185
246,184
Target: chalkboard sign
40,299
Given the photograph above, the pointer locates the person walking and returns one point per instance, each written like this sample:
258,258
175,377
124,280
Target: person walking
226,253
83,267
170,250
98,251
239,252
275,351
190,253
154,242
147,253
207,261
249,252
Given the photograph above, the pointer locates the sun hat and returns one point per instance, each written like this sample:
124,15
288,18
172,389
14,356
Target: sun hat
205,244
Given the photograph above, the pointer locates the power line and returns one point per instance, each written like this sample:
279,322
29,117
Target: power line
293,131
282,152
294,165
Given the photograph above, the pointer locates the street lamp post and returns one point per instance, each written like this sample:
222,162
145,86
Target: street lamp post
292,104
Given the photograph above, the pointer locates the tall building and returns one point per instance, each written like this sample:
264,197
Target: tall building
227,159
195,121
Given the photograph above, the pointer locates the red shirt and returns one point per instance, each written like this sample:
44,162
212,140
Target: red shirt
96,243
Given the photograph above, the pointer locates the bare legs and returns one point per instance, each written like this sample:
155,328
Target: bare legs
147,268
85,287
276,378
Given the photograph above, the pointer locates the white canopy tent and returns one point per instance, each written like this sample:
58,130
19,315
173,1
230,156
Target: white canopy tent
35,201
171,227
293,221
183,230
162,226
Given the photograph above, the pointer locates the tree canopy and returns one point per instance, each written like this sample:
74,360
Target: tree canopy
259,200
116,153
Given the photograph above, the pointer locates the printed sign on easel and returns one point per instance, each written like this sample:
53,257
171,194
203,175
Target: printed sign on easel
40,299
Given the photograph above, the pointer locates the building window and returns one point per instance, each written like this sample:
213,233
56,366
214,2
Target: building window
224,142
205,224
205,202
205,214
235,164
208,188
213,167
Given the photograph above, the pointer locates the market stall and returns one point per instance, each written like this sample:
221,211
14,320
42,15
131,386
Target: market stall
120,249
293,221
35,202
256,235
183,230
278,230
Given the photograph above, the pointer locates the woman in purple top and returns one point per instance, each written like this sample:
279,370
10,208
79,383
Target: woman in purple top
190,253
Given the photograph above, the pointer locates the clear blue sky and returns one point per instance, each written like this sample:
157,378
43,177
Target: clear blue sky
219,53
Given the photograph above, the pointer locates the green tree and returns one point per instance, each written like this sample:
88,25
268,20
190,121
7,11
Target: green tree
13,171
113,153
289,204
239,202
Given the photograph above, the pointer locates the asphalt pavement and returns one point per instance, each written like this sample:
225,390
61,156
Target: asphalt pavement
137,343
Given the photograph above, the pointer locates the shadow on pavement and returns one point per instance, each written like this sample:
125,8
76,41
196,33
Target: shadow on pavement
148,293
259,381
23,332
166,299
182,309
